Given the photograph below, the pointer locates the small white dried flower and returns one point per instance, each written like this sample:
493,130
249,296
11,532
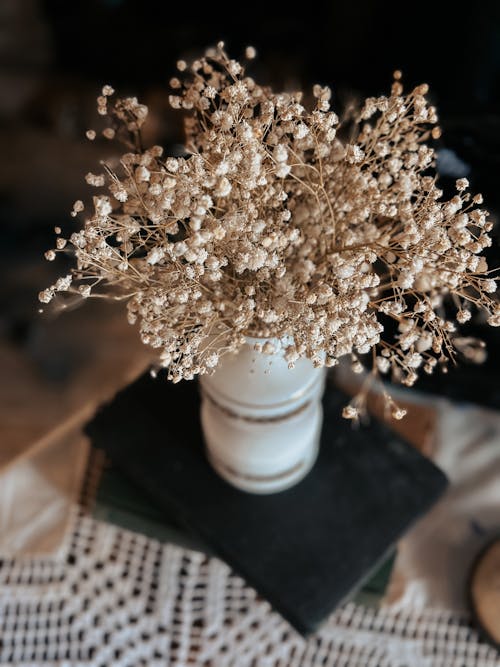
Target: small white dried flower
46,296
414,360
85,291
301,131
383,364
490,285
398,413
494,320
212,360
102,105
102,206
280,153
155,255
357,367
172,165
223,187
63,283
96,180
142,174
354,154
283,170
463,316
350,412
77,208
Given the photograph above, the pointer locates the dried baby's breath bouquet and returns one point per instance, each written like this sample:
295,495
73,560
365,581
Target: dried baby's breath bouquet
273,225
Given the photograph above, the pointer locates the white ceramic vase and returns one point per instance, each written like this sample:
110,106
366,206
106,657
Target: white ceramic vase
262,420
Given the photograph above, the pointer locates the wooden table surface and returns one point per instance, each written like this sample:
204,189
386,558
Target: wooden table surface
101,354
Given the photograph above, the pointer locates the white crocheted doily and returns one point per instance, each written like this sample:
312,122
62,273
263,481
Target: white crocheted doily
119,598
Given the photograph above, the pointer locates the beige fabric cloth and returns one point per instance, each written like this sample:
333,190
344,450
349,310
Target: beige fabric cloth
38,496
435,557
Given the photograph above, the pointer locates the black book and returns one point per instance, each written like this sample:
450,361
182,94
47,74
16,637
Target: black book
305,549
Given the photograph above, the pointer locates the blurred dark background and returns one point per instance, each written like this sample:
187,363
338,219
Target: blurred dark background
55,55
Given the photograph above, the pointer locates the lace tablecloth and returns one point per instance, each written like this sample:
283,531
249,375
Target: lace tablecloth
119,598
114,597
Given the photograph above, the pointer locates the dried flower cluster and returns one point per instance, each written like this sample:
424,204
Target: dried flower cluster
272,225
